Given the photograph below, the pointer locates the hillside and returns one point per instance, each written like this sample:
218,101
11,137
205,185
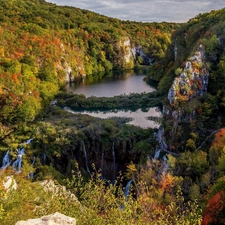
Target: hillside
174,175
204,30
43,45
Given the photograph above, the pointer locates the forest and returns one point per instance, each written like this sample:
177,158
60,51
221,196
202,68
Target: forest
53,157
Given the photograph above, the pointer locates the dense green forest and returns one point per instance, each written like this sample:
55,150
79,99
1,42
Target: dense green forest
43,46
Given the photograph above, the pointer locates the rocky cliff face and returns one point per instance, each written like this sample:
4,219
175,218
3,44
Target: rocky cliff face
183,96
127,55
138,51
124,58
192,82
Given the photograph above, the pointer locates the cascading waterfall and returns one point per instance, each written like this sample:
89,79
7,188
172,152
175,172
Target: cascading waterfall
166,164
86,159
157,153
175,51
5,160
126,193
127,189
29,141
114,162
44,157
18,163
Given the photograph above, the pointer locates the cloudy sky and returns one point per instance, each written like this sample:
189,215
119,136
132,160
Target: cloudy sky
147,10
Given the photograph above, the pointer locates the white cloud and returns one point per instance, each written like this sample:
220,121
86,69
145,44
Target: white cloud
146,10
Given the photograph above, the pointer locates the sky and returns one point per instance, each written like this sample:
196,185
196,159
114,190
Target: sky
146,10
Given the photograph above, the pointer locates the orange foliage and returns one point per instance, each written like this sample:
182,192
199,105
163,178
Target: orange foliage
56,41
15,78
24,97
215,211
167,182
12,95
138,34
158,32
199,83
36,94
219,139
199,110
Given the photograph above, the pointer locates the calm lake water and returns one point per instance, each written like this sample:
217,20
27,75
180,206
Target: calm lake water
139,117
113,85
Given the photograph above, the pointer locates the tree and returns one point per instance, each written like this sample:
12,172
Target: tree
214,213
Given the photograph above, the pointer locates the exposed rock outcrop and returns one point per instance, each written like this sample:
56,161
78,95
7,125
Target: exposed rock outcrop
128,54
57,190
124,57
53,219
72,72
192,82
183,96
9,183
138,51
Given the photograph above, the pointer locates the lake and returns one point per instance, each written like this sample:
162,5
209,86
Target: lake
113,85
138,117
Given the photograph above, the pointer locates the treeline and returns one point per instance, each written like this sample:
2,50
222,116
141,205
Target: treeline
131,101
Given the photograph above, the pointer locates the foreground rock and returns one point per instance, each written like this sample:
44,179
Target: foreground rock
53,219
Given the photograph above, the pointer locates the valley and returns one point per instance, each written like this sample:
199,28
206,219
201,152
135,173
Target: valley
63,69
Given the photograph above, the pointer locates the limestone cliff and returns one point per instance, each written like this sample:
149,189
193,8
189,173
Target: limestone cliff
192,82
124,58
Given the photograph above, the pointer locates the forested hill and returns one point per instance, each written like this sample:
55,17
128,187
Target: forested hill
42,45
206,29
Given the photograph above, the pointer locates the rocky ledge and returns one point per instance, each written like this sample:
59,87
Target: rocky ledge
53,219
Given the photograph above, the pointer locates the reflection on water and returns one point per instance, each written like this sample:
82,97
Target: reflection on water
139,117
111,85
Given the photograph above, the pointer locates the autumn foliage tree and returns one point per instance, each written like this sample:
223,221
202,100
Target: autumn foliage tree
214,214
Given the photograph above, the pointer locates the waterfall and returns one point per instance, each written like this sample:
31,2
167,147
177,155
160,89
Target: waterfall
127,189
126,193
85,156
44,157
114,162
18,162
166,164
157,153
175,52
29,141
5,161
